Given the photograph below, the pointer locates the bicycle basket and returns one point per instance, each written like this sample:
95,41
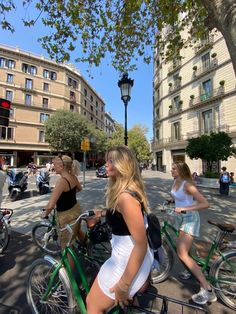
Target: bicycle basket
101,232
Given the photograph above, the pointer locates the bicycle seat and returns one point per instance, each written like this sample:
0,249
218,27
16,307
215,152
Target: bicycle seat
224,227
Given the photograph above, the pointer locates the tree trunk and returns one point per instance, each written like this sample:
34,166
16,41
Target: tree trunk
222,15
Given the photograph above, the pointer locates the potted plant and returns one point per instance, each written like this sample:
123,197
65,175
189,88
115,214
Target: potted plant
195,68
214,55
222,83
170,84
192,96
170,107
181,102
180,78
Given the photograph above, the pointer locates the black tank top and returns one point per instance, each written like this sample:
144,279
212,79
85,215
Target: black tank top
116,221
67,199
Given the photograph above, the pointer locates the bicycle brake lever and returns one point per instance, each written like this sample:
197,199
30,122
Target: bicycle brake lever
91,213
183,211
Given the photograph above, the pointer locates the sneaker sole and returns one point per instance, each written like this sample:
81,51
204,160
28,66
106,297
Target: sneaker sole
208,301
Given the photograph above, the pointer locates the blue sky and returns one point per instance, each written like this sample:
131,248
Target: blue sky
104,79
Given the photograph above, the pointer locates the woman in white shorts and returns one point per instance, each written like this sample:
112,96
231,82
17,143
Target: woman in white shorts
184,193
129,266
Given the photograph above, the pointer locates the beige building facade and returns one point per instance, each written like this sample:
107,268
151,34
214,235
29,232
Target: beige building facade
193,96
37,87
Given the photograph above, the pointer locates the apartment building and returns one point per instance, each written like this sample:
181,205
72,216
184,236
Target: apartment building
37,87
109,124
193,96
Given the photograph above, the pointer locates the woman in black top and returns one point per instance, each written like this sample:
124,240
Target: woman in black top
128,268
64,196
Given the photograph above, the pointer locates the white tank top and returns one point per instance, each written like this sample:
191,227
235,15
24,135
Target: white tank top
182,199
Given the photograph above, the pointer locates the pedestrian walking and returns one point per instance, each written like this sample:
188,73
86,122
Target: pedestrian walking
224,181
184,193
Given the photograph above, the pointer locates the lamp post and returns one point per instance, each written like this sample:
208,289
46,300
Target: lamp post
125,84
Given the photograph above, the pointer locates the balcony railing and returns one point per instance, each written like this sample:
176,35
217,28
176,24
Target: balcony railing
204,44
175,87
175,66
210,96
175,110
203,70
72,98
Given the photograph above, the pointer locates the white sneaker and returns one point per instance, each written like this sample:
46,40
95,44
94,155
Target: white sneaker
204,296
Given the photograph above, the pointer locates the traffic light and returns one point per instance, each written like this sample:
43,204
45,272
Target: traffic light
5,106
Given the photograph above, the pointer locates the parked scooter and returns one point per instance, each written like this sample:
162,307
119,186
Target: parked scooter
17,183
42,181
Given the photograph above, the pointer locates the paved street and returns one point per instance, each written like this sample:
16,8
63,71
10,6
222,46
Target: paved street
21,252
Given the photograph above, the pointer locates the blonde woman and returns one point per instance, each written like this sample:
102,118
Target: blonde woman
128,268
184,193
63,197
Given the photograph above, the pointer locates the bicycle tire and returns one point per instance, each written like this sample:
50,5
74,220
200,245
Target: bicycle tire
4,235
45,236
161,274
218,271
60,301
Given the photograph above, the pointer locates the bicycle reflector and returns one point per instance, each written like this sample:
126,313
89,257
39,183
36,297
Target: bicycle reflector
5,106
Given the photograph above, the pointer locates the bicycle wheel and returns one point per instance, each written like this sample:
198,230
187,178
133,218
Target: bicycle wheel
161,271
223,273
46,238
60,300
4,235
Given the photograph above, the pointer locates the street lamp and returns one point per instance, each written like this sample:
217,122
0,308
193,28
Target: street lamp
125,84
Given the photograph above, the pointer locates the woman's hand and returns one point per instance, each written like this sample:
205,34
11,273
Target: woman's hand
180,210
98,212
121,291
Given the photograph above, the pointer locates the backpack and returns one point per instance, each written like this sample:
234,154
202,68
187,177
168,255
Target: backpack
153,227
225,178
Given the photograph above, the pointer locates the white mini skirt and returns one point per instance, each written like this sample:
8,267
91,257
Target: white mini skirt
112,270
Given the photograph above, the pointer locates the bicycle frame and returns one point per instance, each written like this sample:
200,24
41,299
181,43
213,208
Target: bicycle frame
202,262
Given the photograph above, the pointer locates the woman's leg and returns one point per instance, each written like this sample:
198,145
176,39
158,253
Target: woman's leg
97,302
184,243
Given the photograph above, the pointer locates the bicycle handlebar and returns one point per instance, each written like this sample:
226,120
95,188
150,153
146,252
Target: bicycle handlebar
82,216
170,210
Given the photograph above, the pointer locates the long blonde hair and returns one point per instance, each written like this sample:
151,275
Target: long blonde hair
71,166
184,171
128,178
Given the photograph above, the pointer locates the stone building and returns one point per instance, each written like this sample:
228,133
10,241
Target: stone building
37,87
193,96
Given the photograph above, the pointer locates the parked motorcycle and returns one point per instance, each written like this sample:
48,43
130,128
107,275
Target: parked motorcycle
42,181
17,183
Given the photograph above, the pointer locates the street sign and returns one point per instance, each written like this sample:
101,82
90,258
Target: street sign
85,144
5,106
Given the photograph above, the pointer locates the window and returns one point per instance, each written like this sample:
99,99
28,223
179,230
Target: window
28,83
158,134
91,108
176,131
84,113
72,108
85,102
28,99
91,118
91,98
45,87
85,92
9,78
206,90
29,69
9,95
41,137
44,117
206,61
11,113
102,109
45,102
73,83
96,112
72,96
6,133
49,75
207,121
7,63
158,113
96,104
176,104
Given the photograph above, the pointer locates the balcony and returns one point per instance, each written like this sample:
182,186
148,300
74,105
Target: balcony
204,45
72,98
168,141
174,110
28,89
206,69
208,97
175,67
175,87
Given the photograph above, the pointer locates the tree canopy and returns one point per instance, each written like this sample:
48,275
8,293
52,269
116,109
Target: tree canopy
65,130
214,147
124,28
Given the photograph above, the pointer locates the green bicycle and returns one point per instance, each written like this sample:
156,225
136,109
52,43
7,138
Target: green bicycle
219,264
52,287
